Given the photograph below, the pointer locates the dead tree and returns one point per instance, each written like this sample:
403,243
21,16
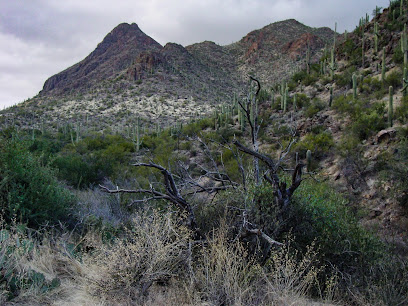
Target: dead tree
250,109
282,192
176,188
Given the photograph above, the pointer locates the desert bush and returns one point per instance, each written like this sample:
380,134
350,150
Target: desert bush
319,144
195,128
386,284
401,112
226,275
397,172
93,159
153,249
398,56
29,191
367,123
322,216
315,106
370,85
345,79
17,278
302,100
394,79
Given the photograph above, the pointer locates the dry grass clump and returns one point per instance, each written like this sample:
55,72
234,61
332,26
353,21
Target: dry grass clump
223,274
40,271
227,275
153,249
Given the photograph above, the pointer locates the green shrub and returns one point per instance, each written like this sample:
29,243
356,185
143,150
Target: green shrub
91,160
394,79
367,124
195,128
321,215
401,112
319,144
345,79
314,107
398,56
29,191
302,100
310,79
344,104
397,173
370,85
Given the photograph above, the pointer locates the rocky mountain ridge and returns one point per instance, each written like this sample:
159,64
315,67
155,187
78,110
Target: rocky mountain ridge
130,73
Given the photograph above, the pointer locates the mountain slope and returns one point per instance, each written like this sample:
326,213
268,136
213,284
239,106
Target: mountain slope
130,73
116,52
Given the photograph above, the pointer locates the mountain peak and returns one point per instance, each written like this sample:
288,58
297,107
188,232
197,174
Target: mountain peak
115,53
124,28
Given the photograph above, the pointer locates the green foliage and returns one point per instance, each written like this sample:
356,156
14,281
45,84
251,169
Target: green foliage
264,211
401,112
302,100
398,56
371,85
366,119
314,107
394,79
29,191
196,127
345,79
93,159
306,79
369,122
322,215
319,144
397,172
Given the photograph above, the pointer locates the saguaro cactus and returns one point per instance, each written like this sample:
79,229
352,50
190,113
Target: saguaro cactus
354,78
383,66
362,50
405,82
376,37
331,96
390,107
309,160
332,65
404,45
401,7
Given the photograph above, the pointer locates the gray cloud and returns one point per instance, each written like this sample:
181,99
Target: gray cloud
40,38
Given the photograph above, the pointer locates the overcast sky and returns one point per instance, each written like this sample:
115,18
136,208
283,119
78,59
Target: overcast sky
39,38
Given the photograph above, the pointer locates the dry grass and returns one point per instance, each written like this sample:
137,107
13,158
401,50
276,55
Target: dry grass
154,262
153,250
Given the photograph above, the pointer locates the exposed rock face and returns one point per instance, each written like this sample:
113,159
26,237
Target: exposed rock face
296,48
274,51
116,52
145,62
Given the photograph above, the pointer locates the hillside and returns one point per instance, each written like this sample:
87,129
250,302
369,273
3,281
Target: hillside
130,75
190,183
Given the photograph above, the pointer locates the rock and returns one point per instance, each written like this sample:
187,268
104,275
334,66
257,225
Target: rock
385,135
374,214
